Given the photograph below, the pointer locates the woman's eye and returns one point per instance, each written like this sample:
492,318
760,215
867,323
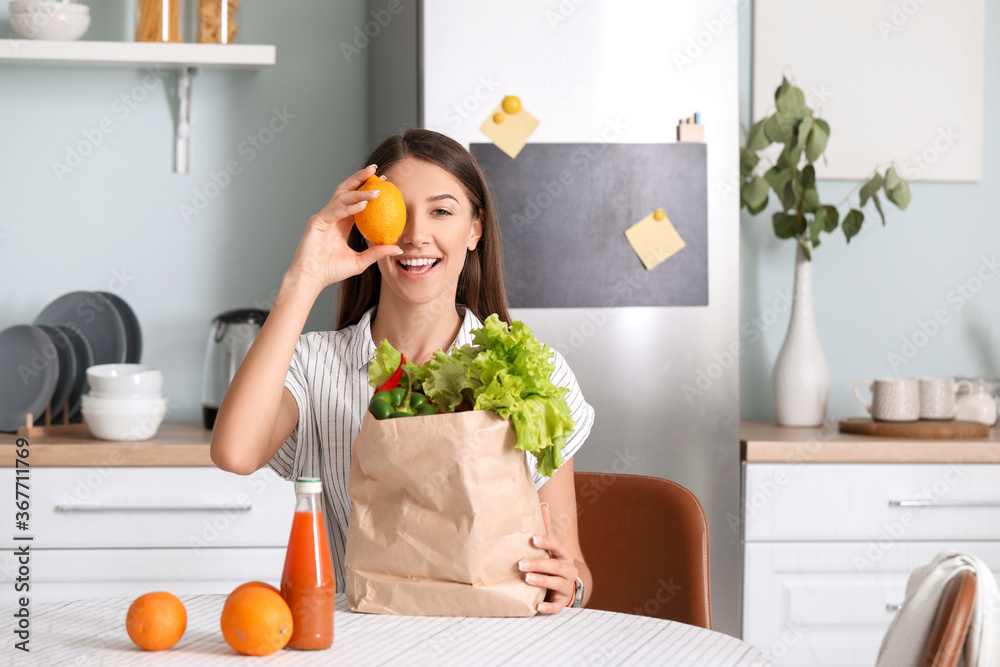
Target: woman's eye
442,211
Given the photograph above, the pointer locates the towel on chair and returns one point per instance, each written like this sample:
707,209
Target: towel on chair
906,638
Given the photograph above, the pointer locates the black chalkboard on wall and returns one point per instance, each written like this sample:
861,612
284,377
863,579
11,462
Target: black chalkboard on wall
564,209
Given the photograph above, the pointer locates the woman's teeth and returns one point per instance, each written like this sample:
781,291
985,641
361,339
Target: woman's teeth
421,265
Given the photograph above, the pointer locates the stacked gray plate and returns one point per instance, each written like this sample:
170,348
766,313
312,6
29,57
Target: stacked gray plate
47,362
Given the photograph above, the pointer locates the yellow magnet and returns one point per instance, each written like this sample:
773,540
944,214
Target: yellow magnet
658,214
498,118
511,104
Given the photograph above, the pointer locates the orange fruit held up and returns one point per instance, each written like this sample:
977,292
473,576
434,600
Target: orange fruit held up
256,621
156,621
256,583
382,220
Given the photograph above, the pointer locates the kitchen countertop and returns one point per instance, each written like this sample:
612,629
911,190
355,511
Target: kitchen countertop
766,442
175,444
187,444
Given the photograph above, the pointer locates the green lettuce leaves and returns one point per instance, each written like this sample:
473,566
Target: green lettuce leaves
506,370
384,364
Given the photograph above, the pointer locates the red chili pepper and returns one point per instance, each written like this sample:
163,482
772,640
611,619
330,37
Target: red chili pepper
393,380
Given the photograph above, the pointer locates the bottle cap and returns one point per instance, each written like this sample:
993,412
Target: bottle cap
308,485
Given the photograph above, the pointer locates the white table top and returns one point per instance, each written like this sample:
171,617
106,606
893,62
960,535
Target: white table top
92,632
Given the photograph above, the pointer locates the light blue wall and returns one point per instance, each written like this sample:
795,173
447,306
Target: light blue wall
119,210
875,293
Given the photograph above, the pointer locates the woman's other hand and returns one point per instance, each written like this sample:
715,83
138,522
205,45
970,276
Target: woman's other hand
323,256
557,573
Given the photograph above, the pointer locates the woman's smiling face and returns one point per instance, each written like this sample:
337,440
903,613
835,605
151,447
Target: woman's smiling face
441,228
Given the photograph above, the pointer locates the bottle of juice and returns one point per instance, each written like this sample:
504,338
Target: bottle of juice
307,583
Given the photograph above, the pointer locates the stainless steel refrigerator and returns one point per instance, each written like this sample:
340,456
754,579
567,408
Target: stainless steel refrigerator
663,379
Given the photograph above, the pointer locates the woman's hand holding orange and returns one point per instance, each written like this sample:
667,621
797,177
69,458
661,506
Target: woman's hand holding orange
323,256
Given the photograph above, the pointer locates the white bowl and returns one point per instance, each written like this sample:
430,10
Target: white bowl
33,6
58,26
123,397
123,426
125,379
50,26
129,405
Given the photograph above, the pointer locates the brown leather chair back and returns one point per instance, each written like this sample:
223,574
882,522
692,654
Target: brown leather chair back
952,621
645,540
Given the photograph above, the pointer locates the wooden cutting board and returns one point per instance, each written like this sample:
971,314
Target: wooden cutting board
923,429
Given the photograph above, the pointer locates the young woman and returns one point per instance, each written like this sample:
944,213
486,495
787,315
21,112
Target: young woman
297,401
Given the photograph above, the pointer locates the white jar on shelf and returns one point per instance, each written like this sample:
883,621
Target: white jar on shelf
979,404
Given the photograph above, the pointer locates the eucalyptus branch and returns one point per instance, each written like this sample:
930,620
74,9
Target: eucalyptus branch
792,177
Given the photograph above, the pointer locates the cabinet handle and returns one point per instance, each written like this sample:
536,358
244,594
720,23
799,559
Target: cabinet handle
206,507
893,606
944,503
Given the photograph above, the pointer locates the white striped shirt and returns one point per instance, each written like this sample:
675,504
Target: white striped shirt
328,378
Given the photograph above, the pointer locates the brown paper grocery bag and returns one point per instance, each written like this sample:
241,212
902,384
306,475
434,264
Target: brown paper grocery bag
442,508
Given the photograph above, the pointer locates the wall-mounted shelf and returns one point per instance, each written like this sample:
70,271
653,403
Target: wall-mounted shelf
184,57
135,54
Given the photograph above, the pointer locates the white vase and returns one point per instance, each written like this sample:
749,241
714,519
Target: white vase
801,382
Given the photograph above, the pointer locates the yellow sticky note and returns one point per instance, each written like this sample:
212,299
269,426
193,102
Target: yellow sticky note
512,133
654,240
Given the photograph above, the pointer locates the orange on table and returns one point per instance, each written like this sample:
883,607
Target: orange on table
382,220
156,621
262,584
256,621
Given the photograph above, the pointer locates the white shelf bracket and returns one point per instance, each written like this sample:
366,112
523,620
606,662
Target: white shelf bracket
182,152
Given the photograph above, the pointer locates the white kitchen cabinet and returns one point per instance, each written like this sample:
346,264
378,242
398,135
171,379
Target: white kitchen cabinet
830,603
828,548
103,531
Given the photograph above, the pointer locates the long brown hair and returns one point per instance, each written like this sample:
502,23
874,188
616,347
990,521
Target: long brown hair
480,285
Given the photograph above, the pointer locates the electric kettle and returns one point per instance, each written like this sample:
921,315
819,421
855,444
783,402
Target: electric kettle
231,335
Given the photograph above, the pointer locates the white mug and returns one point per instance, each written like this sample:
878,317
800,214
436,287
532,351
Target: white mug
893,399
937,397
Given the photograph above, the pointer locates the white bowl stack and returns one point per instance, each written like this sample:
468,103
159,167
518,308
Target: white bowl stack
125,401
61,21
